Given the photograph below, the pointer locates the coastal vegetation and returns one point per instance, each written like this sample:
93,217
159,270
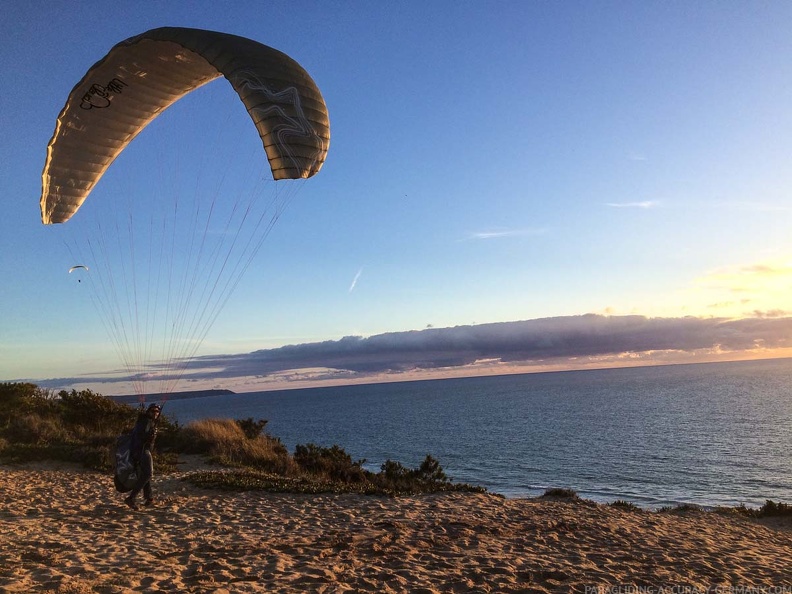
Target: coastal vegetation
560,493
37,424
625,505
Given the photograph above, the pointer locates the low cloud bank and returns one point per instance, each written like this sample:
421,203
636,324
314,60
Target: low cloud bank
530,342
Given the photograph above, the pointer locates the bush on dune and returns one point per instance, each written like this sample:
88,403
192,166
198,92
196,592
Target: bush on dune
428,476
770,509
39,424
37,430
251,428
18,399
34,415
394,479
773,509
88,414
625,505
333,463
560,493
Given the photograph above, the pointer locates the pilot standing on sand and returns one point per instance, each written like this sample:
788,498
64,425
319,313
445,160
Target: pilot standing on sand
143,436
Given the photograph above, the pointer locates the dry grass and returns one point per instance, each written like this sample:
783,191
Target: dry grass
225,442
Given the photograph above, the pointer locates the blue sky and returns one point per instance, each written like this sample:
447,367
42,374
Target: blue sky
490,162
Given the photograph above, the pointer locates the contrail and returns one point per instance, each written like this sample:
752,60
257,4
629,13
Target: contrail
355,280
644,204
498,233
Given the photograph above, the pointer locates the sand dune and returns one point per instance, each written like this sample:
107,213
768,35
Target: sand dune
66,530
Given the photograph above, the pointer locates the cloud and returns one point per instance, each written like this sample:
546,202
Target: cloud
561,339
355,280
646,204
768,269
532,340
755,278
773,313
500,233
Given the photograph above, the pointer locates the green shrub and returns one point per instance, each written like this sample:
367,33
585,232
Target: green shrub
768,510
430,470
628,505
251,428
37,424
333,463
394,471
561,493
680,509
36,430
429,476
771,508
22,399
91,410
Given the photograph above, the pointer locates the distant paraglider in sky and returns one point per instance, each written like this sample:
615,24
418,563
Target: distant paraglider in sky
162,277
78,267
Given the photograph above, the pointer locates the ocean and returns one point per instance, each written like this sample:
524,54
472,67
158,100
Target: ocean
706,434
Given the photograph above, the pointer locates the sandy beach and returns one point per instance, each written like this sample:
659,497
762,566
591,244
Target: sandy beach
65,530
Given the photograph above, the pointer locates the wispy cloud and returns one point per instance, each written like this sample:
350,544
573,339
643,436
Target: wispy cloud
773,313
501,233
756,278
646,204
768,270
741,290
355,280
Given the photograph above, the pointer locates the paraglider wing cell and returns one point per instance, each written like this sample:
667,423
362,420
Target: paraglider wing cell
142,76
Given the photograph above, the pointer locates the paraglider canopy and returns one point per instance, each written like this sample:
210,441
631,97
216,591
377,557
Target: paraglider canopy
143,75
78,267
